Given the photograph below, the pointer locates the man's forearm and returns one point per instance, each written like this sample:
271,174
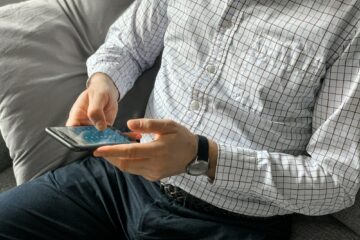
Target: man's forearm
103,77
131,48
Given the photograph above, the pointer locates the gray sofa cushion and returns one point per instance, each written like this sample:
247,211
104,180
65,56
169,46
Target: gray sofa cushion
351,216
7,179
44,46
5,160
6,2
320,228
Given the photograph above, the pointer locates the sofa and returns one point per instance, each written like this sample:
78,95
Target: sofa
70,19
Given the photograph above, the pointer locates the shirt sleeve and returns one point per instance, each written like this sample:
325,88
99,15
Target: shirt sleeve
326,178
132,44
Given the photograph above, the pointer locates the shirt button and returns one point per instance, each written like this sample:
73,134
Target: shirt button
194,105
226,24
211,69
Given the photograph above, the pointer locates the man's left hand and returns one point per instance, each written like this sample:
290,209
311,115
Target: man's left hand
173,148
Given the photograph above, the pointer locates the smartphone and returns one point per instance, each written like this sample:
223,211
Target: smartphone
86,138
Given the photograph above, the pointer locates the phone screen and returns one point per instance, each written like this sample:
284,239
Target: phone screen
88,136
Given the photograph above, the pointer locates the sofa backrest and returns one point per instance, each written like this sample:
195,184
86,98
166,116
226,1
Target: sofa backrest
5,160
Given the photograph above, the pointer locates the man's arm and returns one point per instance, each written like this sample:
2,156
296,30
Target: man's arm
132,44
324,180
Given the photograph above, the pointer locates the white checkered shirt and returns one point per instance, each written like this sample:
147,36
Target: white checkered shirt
274,83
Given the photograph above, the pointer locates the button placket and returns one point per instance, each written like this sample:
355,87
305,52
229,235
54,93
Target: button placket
213,65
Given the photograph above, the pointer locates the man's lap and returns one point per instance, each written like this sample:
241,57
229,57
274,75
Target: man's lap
92,199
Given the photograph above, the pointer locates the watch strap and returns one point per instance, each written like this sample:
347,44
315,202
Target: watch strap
200,165
203,148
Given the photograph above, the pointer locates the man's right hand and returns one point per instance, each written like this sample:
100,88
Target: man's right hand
97,105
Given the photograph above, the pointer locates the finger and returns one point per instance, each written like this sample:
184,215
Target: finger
129,151
77,122
78,115
133,135
110,114
95,111
152,125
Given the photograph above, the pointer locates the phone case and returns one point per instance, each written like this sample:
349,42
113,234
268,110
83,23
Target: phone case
66,141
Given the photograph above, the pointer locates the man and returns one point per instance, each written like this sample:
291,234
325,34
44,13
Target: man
254,116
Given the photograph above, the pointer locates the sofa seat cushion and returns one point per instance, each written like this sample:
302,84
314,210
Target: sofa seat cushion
7,179
5,160
351,216
320,228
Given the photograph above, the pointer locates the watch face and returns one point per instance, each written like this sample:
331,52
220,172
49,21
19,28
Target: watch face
198,168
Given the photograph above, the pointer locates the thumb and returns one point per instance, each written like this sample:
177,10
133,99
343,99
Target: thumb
96,110
151,125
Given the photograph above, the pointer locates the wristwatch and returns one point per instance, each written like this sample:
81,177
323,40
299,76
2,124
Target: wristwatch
200,165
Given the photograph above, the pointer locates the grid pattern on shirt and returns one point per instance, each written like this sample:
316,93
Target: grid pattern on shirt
274,83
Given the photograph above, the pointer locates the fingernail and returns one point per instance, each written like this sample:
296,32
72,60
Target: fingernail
100,126
133,123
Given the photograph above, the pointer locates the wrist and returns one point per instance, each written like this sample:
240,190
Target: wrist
103,79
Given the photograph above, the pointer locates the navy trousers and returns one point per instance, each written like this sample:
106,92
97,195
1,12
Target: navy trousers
91,199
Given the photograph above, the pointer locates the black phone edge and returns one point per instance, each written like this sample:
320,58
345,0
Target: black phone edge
68,144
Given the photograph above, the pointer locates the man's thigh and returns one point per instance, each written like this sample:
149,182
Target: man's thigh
91,199
78,201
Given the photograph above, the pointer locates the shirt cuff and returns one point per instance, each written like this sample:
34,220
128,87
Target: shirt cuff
235,168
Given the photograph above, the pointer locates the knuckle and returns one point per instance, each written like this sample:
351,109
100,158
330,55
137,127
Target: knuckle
142,124
97,95
171,124
93,112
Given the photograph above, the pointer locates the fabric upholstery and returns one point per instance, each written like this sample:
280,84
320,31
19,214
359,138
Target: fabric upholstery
6,2
5,160
320,228
7,179
44,46
351,216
